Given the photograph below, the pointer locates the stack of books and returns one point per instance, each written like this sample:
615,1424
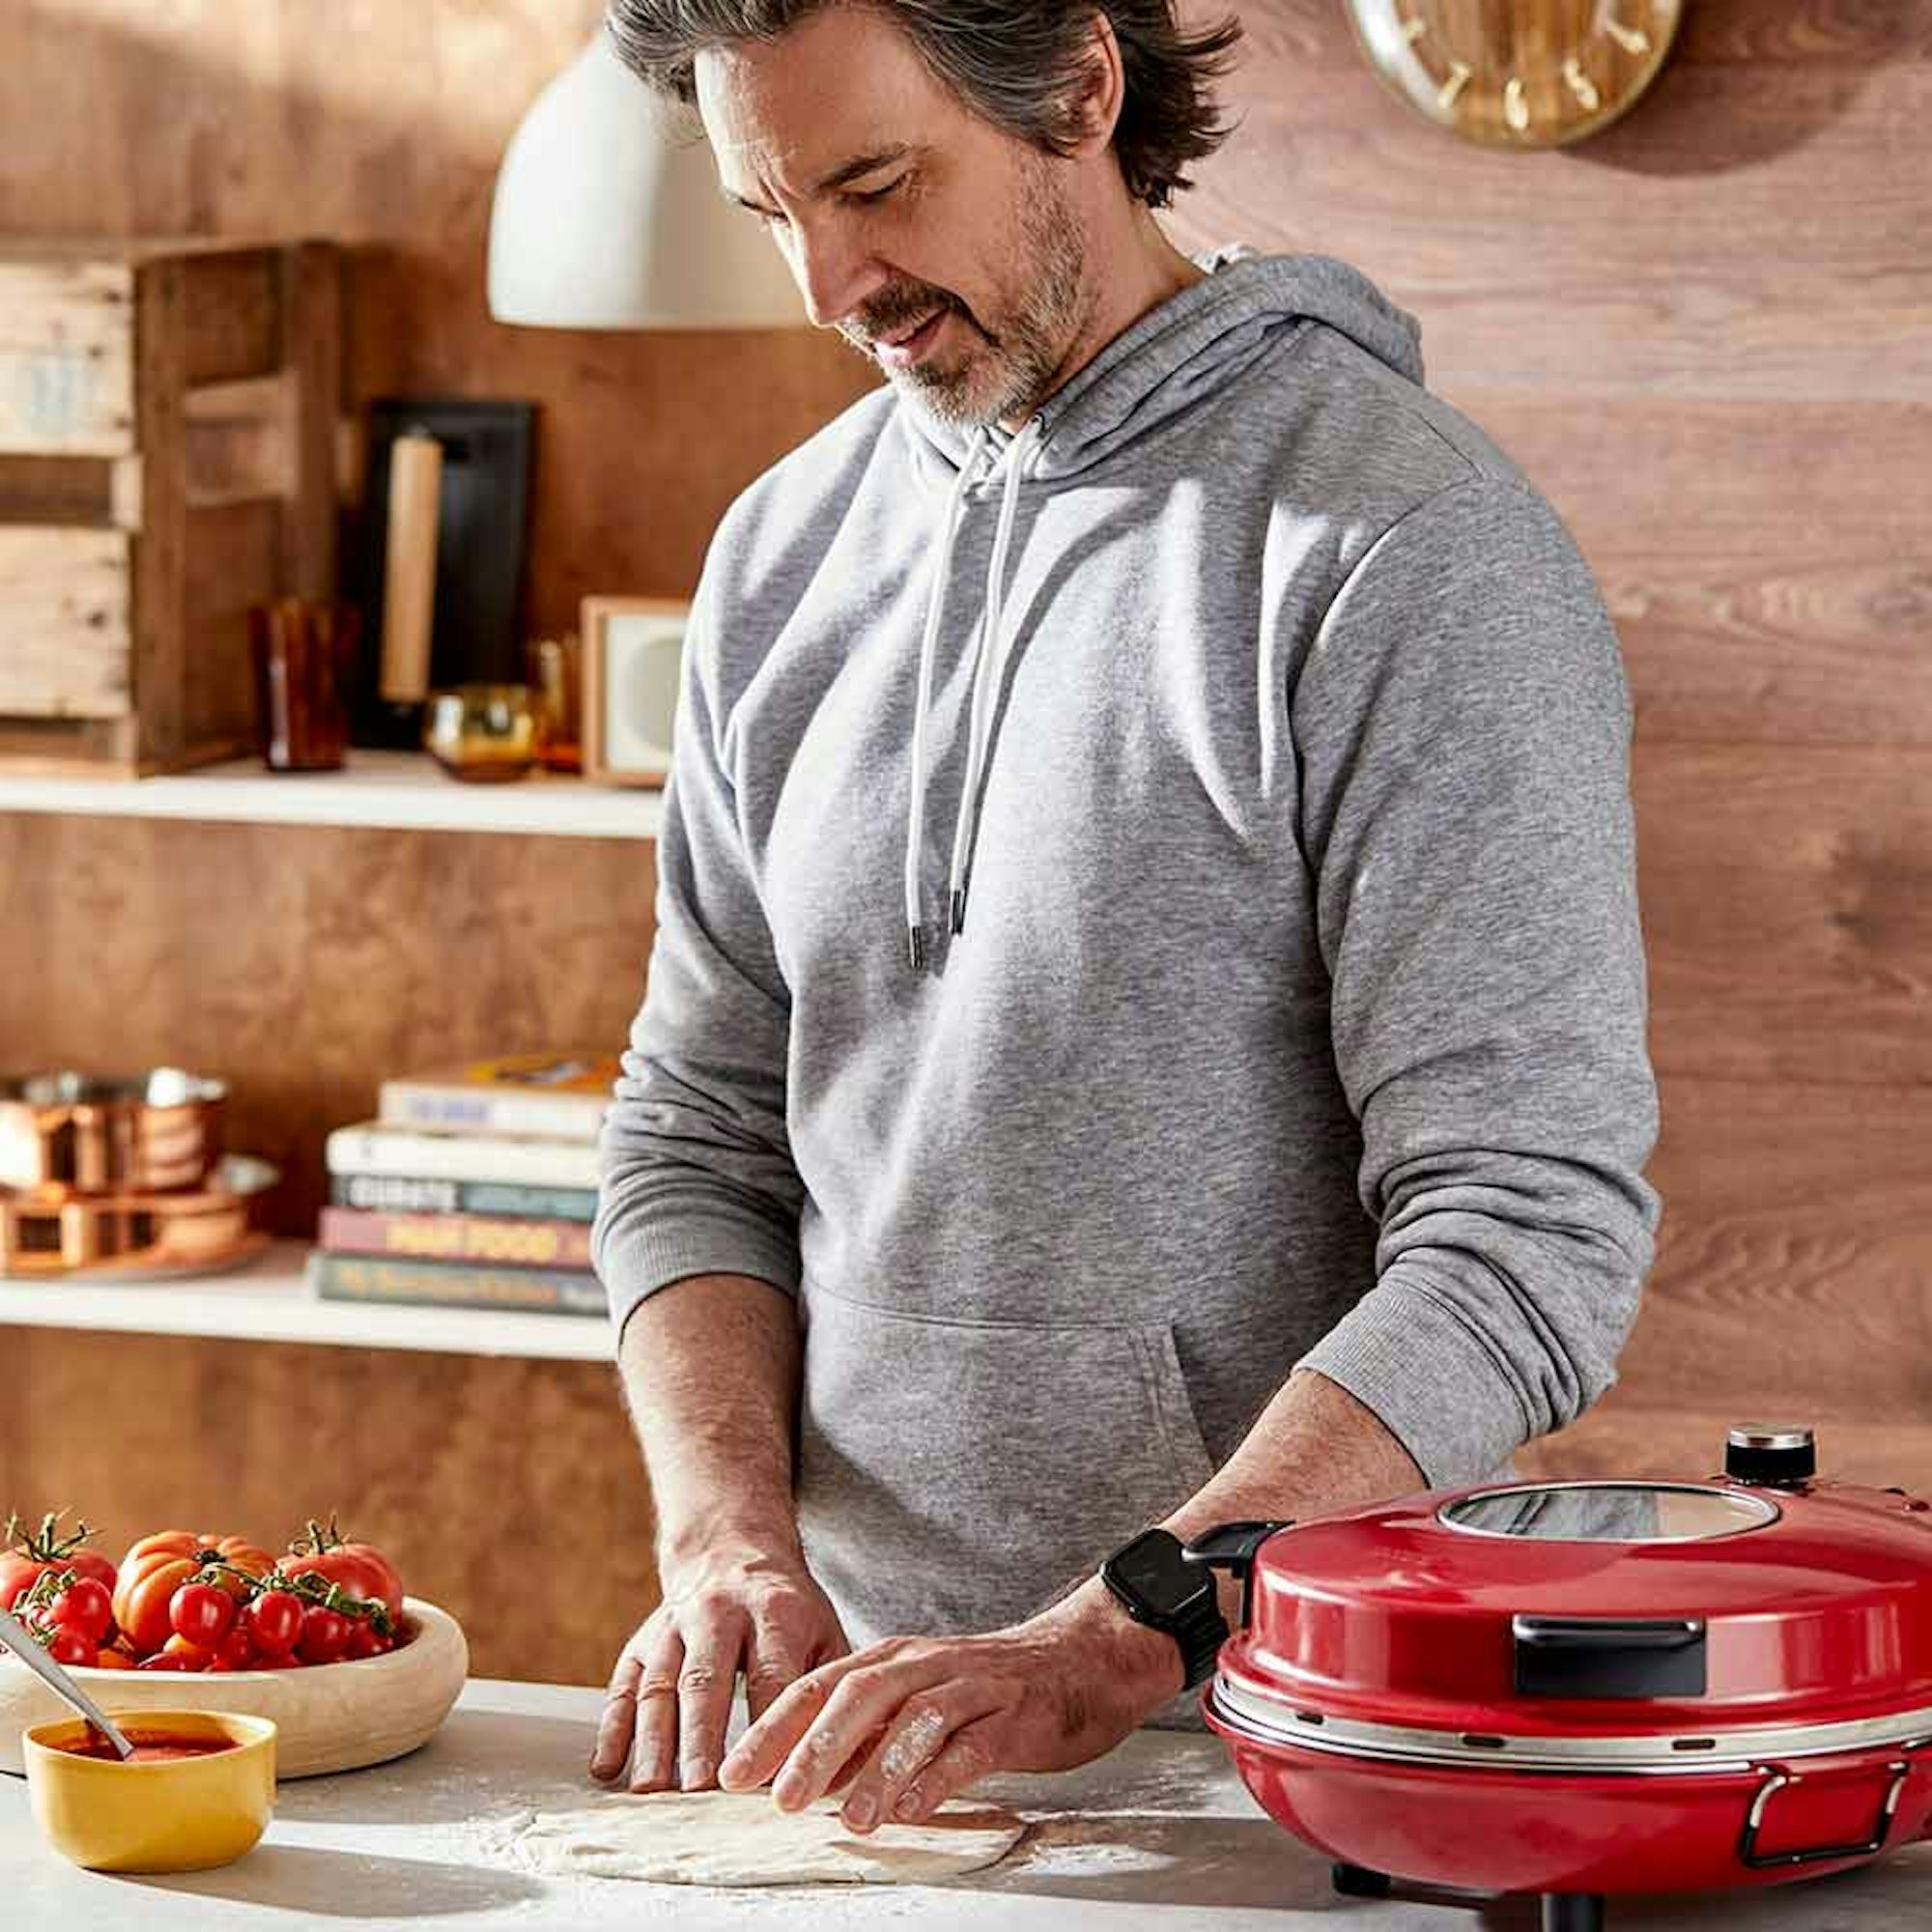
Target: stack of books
474,1187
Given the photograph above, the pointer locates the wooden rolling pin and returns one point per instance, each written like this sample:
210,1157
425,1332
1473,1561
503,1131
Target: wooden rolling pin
409,575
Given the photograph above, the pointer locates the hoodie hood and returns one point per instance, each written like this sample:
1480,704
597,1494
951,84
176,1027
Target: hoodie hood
1193,344
1186,349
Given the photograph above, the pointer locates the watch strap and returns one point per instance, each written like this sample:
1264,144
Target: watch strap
1200,1630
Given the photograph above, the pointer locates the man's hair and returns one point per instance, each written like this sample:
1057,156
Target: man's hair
1016,63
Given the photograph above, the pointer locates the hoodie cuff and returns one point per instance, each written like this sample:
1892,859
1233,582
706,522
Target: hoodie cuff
1434,1383
634,1267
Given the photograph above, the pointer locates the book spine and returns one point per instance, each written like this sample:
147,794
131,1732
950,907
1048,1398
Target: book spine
369,1147
423,1194
456,1285
490,1238
489,1110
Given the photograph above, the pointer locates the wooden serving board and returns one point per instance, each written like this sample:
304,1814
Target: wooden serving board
330,1716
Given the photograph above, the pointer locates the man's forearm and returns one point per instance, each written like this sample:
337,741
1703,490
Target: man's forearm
1314,1448
710,1370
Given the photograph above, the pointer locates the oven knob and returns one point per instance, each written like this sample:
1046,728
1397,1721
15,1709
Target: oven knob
1771,1455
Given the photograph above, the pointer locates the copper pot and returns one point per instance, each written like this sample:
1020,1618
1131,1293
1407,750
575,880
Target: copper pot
92,1135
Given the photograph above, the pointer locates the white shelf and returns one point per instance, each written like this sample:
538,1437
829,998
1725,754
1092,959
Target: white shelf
405,789
270,1302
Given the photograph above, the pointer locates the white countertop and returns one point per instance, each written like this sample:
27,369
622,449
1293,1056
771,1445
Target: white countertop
1158,1836
267,1300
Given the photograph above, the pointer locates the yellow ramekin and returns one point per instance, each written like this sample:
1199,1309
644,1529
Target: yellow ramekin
178,1815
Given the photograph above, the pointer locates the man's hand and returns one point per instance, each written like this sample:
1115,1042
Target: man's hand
912,1720
734,1607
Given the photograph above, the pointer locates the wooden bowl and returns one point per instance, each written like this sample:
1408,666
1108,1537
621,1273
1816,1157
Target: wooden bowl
328,1717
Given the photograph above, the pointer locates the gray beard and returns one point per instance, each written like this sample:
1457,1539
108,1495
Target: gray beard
1026,353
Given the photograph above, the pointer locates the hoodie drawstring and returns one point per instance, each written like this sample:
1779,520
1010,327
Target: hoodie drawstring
988,674
928,649
995,649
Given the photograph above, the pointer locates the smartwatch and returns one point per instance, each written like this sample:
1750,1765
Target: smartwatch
1157,1588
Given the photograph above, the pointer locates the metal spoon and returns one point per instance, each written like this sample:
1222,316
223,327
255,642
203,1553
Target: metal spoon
14,1634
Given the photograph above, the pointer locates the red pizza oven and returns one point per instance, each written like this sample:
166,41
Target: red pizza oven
1590,1687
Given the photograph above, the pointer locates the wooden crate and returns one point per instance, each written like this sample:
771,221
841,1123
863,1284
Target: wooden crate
167,432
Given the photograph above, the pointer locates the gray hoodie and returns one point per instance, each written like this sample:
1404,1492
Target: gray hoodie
1267,737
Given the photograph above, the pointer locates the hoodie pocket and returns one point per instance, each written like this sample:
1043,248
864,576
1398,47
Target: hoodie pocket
956,1476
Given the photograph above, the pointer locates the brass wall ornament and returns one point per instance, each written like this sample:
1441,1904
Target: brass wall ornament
1516,74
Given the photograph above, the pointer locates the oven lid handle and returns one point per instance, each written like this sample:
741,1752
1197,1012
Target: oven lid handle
1609,1657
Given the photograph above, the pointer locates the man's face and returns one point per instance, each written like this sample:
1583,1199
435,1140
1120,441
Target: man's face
934,243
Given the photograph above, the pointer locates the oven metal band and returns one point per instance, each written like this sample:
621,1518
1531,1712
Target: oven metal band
1268,1719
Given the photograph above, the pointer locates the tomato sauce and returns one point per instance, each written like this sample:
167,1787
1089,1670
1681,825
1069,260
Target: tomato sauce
150,1747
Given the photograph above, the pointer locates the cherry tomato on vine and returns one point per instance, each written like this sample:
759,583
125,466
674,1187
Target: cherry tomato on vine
324,1635
71,1648
364,1641
274,1620
236,1651
201,1613
86,1606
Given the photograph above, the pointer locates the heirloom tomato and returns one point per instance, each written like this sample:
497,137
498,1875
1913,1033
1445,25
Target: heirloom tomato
361,1568
27,1552
159,1565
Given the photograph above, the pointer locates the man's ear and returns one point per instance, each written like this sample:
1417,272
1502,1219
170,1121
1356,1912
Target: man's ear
1094,105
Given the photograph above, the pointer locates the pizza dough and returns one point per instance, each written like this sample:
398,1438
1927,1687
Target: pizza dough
741,1838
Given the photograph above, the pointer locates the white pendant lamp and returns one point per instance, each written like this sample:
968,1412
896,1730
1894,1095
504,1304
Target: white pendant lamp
608,215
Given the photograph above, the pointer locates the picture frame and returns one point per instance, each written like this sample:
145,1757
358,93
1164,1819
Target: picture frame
633,659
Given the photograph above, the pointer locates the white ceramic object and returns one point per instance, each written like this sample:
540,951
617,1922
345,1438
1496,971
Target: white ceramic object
328,1717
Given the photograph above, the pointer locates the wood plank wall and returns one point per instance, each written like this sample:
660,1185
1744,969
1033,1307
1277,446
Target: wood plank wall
1705,335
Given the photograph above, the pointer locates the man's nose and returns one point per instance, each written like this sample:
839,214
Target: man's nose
835,271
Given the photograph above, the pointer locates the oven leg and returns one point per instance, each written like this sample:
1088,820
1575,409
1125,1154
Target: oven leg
1358,1882
1571,1912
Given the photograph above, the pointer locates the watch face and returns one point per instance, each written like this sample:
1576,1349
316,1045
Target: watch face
1152,1568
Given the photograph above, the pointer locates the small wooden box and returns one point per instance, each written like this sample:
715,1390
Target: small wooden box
167,430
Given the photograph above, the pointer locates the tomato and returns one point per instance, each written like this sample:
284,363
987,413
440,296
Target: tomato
28,1552
71,1648
356,1574
274,1619
236,1651
91,1563
362,1569
201,1613
84,1606
324,1635
364,1642
158,1566
193,1655
112,1660
161,1661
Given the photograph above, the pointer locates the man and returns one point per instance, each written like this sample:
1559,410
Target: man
1147,1020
